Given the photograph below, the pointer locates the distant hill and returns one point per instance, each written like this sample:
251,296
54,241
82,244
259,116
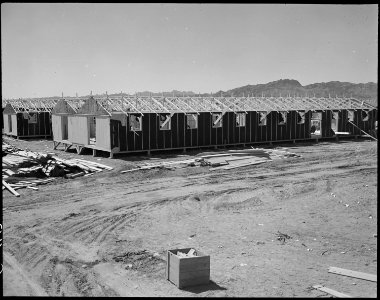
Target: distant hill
284,87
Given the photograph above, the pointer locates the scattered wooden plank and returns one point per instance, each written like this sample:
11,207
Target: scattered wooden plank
9,172
95,164
31,187
82,166
89,174
243,165
239,158
355,274
71,176
160,165
331,291
10,189
130,170
216,155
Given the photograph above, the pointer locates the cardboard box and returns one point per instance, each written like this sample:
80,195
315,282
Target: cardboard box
187,271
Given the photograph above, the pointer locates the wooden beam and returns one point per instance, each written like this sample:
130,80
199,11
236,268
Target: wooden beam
168,118
331,291
10,189
366,134
355,274
218,119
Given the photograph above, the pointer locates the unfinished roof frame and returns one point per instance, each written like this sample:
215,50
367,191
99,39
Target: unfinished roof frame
189,104
32,105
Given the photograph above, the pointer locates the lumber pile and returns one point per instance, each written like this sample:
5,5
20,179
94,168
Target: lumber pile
232,159
26,169
168,165
225,160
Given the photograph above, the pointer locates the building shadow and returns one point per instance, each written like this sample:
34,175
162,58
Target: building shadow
211,286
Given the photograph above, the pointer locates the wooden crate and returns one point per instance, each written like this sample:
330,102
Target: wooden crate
187,271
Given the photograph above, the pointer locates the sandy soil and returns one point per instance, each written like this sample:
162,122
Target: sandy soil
96,235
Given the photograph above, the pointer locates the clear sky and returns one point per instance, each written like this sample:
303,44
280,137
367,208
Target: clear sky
74,48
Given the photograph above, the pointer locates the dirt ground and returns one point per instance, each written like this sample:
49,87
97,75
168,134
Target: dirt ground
100,235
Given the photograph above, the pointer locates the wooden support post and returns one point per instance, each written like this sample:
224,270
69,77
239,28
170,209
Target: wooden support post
93,152
148,153
184,150
111,155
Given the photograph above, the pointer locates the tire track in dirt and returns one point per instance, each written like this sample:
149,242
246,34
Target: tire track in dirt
82,225
17,281
107,229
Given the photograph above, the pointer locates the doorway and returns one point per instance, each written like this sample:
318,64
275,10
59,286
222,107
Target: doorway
315,125
65,132
92,121
10,123
334,121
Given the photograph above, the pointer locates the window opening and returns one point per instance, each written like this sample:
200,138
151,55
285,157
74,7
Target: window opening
301,118
217,120
191,121
135,122
263,119
351,116
282,118
32,118
165,122
365,115
240,119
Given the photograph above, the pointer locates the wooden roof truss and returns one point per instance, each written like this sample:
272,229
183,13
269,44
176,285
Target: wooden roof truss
32,105
188,104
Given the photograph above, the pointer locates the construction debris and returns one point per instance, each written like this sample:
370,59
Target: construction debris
225,160
282,237
240,158
19,164
192,252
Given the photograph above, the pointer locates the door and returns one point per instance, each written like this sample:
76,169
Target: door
114,135
334,122
65,131
92,121
315,125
